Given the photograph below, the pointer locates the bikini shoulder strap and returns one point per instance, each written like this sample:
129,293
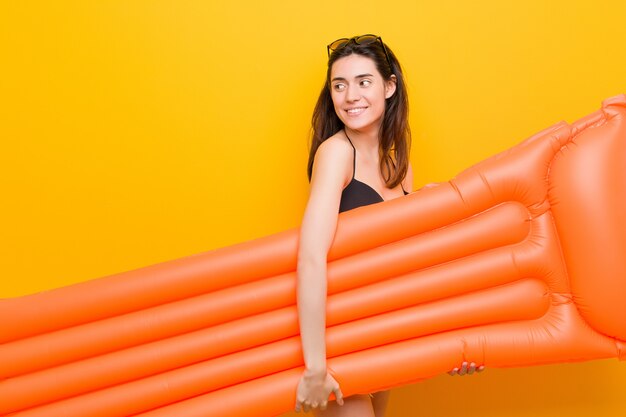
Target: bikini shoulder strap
354,158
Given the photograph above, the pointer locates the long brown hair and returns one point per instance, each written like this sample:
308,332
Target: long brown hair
395,133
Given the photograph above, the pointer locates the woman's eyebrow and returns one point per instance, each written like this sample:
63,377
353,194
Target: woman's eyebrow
358,76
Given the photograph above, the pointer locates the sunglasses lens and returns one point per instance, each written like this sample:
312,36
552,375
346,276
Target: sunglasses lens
339,43
366,39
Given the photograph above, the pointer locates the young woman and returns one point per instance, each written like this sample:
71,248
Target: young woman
359,155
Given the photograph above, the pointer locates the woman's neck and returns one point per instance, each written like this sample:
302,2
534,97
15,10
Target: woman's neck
367,140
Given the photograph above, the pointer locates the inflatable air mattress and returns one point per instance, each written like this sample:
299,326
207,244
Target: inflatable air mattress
517,261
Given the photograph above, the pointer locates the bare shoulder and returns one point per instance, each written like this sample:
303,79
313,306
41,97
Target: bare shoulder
335,146
331,167
334,157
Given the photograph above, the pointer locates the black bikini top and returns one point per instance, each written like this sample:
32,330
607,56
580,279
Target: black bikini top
357,193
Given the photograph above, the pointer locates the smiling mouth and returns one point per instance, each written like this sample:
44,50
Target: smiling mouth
356,111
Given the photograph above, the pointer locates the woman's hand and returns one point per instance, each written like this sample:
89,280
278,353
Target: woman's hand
465,370
314,389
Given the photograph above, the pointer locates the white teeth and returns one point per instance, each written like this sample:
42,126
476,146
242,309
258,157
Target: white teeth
355,110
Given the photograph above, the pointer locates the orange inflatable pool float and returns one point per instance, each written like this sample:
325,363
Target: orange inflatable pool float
517,261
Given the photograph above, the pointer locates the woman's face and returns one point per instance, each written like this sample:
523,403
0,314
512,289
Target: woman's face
359,92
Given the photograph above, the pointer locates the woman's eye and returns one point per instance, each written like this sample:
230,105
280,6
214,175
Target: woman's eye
339,87
365,82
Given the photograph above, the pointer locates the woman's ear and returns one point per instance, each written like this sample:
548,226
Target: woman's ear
390,86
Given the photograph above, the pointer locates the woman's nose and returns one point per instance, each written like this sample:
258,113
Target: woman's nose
353,93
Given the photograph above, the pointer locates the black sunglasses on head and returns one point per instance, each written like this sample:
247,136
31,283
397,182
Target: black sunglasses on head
359,40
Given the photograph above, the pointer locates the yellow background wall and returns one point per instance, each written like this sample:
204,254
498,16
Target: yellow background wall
134,132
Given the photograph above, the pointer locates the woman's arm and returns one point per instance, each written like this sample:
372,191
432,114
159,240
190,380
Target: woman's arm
329,174
316,235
